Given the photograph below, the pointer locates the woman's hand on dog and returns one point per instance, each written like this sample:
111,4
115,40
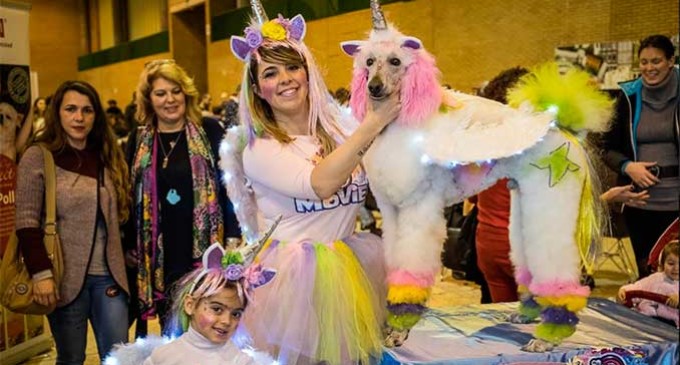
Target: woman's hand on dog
383,112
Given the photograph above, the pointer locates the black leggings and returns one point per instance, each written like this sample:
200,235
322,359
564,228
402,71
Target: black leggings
645,227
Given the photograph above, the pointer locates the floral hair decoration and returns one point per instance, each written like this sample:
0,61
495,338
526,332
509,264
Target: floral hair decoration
234,266
256,34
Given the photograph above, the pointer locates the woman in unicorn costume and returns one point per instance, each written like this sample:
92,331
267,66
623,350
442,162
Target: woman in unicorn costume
445,146
208,304
294,156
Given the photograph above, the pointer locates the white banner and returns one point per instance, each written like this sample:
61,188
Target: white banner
14,49
21,337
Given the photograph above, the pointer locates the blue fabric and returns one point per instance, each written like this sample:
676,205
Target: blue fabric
104,304
479,335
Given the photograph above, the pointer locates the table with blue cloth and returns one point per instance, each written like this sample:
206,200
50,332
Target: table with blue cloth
480,334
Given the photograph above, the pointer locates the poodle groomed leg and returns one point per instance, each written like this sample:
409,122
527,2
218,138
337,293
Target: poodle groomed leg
552,257
413,259
528,308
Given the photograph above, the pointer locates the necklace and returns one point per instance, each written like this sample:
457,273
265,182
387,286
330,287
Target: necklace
173,144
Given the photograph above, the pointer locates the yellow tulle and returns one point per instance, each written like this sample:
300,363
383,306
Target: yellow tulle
356,333
407,294
573,303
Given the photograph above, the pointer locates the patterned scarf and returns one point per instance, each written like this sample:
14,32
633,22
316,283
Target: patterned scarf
208,224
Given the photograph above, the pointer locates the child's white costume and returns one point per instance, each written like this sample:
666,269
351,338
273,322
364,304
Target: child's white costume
445,146
190,348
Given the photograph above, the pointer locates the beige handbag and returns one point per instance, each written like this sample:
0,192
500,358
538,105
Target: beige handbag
16,286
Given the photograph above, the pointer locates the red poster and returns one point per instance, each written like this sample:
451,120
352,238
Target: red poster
7,198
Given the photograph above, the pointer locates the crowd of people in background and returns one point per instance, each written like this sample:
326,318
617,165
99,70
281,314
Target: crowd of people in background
146,184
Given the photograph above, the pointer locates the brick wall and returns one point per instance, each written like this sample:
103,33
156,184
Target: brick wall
55,42
474,40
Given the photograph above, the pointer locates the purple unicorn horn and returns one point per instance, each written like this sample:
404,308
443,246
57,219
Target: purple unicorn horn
377,16
258,11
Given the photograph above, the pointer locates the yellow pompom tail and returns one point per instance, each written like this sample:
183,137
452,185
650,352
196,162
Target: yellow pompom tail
573,303
579,104
407,294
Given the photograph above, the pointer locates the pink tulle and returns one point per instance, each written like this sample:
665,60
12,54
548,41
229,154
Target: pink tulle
403,277
359,93
421,94
282,317
522,276
558,288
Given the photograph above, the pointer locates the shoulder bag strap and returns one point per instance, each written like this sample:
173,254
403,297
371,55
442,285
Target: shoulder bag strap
50,201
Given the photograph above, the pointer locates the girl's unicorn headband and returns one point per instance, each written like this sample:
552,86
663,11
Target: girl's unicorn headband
262,29
235,266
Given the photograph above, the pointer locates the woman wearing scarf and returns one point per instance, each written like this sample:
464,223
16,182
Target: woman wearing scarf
179,207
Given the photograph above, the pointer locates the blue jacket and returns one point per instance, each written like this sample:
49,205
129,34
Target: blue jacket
620,143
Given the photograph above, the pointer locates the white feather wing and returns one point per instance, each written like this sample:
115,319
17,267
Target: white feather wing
479,129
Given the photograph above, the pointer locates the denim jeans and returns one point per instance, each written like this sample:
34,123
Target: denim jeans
105,304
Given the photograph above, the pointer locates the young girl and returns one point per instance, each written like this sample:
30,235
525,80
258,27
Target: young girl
665,282
207,307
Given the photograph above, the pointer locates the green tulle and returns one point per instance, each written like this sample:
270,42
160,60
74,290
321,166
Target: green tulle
402,321
529,312
554,333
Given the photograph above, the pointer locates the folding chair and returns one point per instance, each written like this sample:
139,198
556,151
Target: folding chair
618,255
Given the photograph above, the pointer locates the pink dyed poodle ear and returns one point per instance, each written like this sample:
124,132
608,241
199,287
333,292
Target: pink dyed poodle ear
239,47
297,28
412,42
351,47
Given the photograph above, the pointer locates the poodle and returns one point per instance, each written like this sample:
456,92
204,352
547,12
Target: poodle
445,146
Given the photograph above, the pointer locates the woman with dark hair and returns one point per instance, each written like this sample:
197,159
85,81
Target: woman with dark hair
92,200
643,144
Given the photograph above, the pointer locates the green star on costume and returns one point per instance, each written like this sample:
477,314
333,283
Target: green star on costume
557,163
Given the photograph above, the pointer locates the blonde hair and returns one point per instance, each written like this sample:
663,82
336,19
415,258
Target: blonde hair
101,136
168,70
261,112
671,248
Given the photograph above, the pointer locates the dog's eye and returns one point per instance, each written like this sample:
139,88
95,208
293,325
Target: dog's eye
395,61
369,62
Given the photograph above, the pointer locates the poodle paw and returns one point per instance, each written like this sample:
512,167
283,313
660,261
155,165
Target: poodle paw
519,318
395,338
538,345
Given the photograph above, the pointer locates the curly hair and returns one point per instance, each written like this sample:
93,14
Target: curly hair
497,88
168,70
101,136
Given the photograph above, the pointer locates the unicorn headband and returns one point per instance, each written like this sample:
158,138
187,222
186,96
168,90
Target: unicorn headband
261,29
288,32
237,265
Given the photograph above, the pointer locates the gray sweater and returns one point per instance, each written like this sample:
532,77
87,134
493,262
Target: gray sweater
76,222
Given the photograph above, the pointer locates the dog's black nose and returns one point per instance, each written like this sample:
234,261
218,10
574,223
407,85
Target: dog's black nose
375,86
